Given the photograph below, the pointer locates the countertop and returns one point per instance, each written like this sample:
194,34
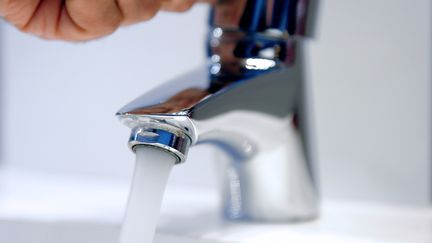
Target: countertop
32,201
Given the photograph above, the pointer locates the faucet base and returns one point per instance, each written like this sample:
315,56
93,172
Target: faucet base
275,184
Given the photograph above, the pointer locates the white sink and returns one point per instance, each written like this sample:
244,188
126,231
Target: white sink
43,208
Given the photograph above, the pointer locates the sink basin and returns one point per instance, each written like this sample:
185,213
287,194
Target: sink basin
44,208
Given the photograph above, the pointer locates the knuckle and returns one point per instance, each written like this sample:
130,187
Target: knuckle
177,6
99,24
150,12
138,10
186,6
182,8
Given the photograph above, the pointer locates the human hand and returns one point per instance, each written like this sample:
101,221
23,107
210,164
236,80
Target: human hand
77,20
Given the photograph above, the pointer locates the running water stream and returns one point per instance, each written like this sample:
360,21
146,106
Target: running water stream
152,168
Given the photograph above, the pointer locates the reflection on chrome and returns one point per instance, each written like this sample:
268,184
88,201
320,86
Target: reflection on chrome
259,64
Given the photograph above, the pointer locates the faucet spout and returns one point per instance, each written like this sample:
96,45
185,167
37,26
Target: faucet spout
175,115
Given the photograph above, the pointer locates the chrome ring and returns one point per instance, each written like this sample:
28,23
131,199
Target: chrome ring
173,142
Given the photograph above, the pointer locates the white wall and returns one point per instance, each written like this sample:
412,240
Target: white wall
371,80
369,74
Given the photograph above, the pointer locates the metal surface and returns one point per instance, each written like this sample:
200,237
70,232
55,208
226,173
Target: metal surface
246,102
166,138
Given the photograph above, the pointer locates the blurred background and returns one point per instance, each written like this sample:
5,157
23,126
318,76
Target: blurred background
369,83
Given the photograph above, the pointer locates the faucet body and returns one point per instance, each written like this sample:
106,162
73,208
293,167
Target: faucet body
247,102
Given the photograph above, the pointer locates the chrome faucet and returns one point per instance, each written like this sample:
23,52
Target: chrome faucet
248,102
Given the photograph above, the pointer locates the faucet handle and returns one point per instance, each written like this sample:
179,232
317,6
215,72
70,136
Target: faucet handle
248,37
252,16
284,15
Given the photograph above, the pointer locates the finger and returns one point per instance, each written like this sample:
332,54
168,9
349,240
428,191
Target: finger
138,10
177,5
90,18
43,20
18,12
39,17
